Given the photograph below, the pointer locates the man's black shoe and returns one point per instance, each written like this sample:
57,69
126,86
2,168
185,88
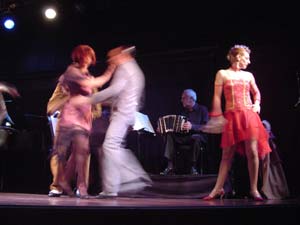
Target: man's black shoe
194,171
167,171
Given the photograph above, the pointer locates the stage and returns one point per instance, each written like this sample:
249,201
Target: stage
18,208
158,205
174,199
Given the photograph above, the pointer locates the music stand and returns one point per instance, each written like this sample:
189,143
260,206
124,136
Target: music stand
142,122
142,125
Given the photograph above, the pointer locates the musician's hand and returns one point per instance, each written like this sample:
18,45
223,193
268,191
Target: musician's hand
187,126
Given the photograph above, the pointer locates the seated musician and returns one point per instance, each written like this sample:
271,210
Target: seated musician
196,116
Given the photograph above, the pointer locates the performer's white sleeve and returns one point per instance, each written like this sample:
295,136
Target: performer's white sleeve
116,86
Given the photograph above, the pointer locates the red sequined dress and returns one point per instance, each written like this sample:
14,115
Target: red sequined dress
243,124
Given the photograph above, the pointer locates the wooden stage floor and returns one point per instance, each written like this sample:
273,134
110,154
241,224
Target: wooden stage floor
23,208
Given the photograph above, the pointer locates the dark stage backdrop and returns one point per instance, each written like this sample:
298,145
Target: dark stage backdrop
168,69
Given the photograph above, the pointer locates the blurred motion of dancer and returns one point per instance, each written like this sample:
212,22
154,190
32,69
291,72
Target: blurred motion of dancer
120,170
75,122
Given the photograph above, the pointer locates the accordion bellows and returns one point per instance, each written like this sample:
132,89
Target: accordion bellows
171,123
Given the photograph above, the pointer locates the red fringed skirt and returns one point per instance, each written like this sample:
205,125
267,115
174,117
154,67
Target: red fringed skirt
245,125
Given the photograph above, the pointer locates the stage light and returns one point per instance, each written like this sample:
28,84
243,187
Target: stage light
50,13
9,23
7,16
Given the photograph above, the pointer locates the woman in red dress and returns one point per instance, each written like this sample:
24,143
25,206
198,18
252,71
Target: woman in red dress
240,125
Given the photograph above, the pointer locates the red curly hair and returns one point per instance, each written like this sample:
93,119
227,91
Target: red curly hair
81,52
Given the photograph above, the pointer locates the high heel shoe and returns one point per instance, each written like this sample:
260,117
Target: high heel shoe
66,188
214,195
167,171
256,196
81,191
80,195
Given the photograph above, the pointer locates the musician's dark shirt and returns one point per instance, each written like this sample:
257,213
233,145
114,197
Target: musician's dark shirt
197,117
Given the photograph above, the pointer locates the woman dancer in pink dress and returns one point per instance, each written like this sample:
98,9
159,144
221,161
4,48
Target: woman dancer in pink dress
75,122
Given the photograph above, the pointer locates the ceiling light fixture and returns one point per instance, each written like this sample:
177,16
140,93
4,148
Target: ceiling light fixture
50,13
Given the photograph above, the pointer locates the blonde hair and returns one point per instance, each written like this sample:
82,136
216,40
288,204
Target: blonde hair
237,50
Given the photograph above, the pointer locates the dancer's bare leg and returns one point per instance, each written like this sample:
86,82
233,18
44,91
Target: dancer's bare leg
225,165
253,165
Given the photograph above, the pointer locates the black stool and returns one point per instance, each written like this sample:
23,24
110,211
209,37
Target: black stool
182,162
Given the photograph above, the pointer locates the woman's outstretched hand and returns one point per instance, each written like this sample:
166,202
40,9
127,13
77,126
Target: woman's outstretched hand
214,125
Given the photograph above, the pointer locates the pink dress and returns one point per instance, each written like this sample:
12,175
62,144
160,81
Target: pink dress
243,124
76,117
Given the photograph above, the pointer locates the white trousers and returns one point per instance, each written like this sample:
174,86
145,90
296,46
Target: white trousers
120,169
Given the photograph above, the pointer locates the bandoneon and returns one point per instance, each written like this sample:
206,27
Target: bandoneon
171,123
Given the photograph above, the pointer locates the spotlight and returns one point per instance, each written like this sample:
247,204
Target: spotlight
9,23
8,18
50,13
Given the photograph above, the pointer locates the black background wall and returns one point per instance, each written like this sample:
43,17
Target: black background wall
179,45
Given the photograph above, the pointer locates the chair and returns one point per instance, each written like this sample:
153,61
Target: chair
182,162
